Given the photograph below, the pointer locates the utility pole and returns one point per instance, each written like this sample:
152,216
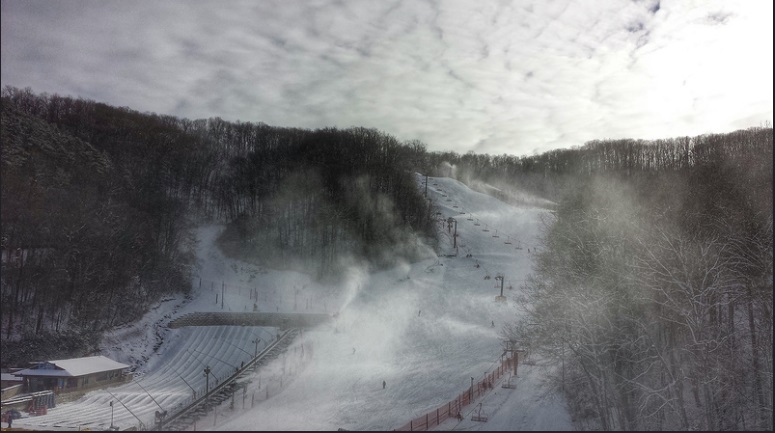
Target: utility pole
426,185
223,285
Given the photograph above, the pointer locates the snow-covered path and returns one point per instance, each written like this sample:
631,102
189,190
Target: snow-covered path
424,328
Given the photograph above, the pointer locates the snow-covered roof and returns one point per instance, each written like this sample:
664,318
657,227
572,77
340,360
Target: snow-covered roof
74,367
9,377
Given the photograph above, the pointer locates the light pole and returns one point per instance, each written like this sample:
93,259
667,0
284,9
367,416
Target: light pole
111,414
471,391
207,379
257,340
142,425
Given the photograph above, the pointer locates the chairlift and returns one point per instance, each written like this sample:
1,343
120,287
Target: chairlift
496,234
485,228
508,384
470,217
477,222
519,245
479,415
508,240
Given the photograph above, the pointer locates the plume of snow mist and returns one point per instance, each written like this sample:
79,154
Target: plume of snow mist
448,170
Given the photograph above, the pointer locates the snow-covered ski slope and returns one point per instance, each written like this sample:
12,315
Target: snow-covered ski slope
423,328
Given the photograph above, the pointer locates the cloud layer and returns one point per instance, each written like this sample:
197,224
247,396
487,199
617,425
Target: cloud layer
512,77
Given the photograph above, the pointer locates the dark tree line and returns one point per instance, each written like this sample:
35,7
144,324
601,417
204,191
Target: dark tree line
94,203
97,203
551,173
325,193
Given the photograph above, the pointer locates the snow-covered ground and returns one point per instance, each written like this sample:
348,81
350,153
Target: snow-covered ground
423,328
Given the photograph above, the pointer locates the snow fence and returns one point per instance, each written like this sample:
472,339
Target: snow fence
454,408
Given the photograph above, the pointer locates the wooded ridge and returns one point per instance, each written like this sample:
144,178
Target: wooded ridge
653,286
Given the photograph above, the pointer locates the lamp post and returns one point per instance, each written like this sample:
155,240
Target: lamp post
142,425
111,414
207,379
471,391
257,340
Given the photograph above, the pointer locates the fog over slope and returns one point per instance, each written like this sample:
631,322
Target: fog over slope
425,328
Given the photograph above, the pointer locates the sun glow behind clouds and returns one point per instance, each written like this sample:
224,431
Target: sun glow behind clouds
704,64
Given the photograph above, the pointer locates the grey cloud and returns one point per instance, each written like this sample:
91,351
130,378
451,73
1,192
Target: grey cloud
496,77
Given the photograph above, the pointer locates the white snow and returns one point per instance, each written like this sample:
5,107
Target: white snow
76,367
424,328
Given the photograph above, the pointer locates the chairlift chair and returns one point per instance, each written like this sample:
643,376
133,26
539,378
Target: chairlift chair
508,384
479,415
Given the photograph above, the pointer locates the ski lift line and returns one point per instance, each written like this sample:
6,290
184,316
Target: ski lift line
216,358
149,394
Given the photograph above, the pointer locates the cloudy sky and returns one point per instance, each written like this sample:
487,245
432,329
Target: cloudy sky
494,77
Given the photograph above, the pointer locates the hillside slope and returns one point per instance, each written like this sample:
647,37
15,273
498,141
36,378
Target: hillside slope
424,328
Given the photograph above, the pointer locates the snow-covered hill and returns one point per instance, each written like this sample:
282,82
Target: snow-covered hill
423,328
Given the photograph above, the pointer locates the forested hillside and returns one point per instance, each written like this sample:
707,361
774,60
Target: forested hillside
652,289
97,202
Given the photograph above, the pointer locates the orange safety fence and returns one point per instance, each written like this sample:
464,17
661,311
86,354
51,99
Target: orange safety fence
453,408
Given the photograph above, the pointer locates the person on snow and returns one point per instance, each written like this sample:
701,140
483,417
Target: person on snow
383,384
